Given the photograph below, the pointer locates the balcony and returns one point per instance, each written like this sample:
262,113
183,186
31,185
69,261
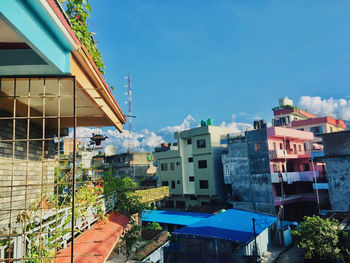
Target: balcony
289,154
292,177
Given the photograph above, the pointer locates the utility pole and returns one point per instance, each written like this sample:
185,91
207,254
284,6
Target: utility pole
127,86
255,245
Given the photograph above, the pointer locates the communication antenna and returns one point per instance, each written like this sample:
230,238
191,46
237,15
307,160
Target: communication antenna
127,86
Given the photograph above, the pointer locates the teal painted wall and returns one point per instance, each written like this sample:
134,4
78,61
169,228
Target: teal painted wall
34,25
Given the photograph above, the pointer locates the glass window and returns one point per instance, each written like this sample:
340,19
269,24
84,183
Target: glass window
316,129
189,141
191,178
201,143
202,164
165,183
203,184
178,182
190,159
257,147
164,167
172,166
172,184
177,163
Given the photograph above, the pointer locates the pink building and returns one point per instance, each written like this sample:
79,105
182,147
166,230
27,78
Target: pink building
269,167
290,160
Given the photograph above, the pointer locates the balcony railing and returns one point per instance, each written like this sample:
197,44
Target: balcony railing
292,177
55,228
291,154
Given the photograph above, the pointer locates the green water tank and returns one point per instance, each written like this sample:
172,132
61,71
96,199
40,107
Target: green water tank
203,123
149,157
210,122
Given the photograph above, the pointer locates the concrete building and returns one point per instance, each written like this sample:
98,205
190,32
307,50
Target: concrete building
337,159
269,167
192,167
137,165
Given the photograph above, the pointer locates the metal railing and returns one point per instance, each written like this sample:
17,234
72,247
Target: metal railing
54,230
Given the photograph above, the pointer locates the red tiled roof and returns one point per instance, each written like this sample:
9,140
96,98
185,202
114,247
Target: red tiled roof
108,233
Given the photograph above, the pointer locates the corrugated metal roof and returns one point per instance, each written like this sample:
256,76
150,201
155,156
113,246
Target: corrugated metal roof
173,217
234,224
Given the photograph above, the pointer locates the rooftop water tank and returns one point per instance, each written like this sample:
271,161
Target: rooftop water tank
285,102
210,122
203,123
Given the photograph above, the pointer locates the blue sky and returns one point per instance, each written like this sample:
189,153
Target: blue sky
219,58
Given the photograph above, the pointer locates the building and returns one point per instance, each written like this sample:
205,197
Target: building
137,165
192,167
49,85
286,113
231,236
259,160
337,159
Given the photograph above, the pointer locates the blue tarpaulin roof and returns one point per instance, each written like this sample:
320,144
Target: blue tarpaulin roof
234,224
173,217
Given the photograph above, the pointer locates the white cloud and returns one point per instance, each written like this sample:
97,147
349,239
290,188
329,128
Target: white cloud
146,140
336,108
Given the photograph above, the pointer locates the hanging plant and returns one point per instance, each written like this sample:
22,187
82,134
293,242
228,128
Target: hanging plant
78,12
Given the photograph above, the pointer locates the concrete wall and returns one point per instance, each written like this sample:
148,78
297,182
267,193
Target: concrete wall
249,170
18,172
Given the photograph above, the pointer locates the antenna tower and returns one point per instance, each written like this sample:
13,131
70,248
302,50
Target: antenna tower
127,85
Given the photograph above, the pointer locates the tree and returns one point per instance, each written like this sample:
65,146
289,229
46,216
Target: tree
344,246
319,237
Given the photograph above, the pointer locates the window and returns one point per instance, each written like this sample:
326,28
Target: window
203,184
172,184
202,164
177,163
172,166
178,182
169,204
180,204
316,129
281,146
165,183
164,167
190,159
301,129
274,146
201,143
193,197
257,147
189,141
306,167
191,178
331,129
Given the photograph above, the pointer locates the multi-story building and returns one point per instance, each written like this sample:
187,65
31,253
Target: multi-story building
192,167
337,159
138,165
286,113
270,167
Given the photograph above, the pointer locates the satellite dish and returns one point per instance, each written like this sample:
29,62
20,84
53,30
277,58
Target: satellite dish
110,150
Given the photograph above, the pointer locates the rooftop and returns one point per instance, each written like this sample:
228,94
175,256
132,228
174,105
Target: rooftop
234,224
173,217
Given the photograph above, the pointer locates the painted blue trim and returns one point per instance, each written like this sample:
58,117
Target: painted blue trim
20,57
317,154
321,186
34,25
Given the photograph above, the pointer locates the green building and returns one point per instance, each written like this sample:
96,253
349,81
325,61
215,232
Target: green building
192,167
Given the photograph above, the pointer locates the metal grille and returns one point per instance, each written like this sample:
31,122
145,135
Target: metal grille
38,179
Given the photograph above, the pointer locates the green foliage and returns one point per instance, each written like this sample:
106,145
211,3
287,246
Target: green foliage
344,246
154,226
78,12
319,237
127,243
128,202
